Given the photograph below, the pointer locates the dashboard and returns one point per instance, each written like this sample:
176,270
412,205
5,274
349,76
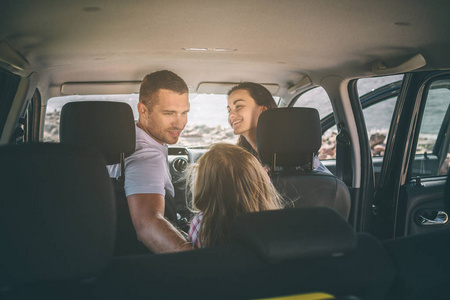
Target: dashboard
180,159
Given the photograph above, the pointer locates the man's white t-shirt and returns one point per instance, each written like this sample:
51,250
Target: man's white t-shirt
147,169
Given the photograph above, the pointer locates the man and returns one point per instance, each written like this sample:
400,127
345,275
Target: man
163,107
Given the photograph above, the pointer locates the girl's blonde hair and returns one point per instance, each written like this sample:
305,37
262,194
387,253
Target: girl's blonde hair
226,182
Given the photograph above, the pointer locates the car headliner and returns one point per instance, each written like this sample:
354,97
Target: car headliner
276,41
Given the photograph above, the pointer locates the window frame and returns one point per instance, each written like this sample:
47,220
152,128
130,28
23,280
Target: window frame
425,88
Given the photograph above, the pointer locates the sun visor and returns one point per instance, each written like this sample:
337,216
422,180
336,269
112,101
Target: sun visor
100,88
12,58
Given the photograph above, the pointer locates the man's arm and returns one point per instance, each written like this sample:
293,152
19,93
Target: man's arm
153,230
318,166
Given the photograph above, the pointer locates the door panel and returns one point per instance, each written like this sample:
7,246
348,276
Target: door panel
412,179
425,208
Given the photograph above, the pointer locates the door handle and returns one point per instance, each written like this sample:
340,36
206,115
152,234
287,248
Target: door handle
440,218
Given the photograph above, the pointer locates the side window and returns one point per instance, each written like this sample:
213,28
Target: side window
378,97
318,98
432,156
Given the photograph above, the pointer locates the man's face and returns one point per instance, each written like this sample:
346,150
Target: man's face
167,118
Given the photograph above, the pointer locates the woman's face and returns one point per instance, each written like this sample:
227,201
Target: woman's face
243,112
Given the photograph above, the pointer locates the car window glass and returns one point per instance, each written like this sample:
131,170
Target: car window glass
378,128
318,98
207,119
54,106
432,152
378,97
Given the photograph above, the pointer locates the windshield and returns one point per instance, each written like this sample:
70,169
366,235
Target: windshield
207,119
207,122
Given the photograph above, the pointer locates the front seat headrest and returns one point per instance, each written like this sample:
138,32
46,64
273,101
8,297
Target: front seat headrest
57,213
108,126
293,134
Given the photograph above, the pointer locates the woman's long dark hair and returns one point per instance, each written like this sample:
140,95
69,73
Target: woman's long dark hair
262,97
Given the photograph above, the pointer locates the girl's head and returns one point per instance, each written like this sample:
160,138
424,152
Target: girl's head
228,182
246,102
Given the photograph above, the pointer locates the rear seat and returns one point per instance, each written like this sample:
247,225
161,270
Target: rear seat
57,227
275,253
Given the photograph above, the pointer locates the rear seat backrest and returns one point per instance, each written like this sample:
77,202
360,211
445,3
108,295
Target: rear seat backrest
273,253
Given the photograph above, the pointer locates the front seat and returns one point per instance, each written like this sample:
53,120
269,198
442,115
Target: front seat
109,127
287,140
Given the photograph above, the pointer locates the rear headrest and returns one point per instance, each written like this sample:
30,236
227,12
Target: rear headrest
108,126
57,213
295,233
293,133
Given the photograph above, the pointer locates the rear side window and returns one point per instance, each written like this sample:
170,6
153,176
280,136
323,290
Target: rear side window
318,98
8,87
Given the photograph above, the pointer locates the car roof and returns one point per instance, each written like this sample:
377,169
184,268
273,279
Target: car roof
275,42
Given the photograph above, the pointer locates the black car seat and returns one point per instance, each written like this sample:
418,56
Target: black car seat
109,127
287,140
57,227
274,253
57,220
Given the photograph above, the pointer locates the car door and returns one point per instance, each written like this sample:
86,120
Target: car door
409,197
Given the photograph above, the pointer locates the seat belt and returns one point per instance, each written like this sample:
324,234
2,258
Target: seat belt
343,158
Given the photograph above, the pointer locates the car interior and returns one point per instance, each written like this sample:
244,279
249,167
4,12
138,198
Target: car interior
364,86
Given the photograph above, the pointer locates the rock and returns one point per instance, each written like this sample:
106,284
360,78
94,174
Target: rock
376,139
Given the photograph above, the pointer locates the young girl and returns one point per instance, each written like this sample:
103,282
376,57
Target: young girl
246,102
227,182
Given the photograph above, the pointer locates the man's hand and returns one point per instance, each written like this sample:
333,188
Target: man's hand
153,230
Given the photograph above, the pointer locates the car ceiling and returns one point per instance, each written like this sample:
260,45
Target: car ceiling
276,41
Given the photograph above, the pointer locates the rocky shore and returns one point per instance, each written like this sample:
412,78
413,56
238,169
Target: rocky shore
193,136
203,135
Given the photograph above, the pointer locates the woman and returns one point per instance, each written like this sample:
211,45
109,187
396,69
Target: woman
246,102
228,182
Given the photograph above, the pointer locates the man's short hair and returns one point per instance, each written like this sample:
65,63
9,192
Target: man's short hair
155,81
